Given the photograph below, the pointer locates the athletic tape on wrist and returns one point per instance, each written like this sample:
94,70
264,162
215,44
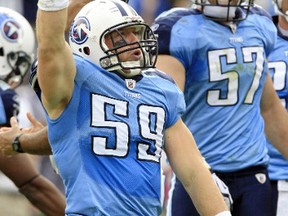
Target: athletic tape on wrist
52,5
225,213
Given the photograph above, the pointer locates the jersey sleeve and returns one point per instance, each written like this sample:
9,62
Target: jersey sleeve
174,98
9,106
163,26
176,103
266,27
173,29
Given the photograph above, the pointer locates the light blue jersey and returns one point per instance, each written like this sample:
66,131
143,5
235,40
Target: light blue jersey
225,77
107,143
278,65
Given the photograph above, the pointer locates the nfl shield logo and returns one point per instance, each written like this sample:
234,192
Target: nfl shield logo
130,83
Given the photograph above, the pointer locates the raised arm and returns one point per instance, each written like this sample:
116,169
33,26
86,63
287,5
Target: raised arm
192,171
173,67
56,67
73,9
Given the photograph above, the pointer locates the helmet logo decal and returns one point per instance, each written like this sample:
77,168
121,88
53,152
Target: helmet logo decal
10,30
79,30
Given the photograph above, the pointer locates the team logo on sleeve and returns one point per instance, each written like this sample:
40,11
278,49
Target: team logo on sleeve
10,29
79,30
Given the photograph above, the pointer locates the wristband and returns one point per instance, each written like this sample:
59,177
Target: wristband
224,213
16,145
52,5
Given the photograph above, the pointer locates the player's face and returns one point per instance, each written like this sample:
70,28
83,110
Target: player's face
224,2
125,38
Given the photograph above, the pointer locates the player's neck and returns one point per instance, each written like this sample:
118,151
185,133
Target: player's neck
231,25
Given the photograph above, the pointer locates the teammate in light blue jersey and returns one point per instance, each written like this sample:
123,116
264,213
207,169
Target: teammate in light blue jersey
278,61
108,118
216,51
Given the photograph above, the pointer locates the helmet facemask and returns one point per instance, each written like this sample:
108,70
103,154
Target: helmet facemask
17,42
225,10
19,63
145,47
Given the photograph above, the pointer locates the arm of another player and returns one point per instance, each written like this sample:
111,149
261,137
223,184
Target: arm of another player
276,118
173,67
56,66
73,8
33,141
36,188
190,168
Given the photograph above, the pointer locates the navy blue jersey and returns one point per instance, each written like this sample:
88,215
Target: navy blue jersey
108,141
9,104
226,70
278,65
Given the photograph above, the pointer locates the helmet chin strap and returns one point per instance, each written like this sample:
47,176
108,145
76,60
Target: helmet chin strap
132,72
129,72
220,12
284,32
286,16
130,64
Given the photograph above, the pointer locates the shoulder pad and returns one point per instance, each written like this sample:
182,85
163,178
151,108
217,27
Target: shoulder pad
160,74
260,11
173,15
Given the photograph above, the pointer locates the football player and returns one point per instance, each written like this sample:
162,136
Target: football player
109,112
278,61
216,51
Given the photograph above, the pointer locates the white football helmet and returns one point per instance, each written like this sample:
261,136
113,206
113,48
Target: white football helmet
17,42
224,10
100,18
